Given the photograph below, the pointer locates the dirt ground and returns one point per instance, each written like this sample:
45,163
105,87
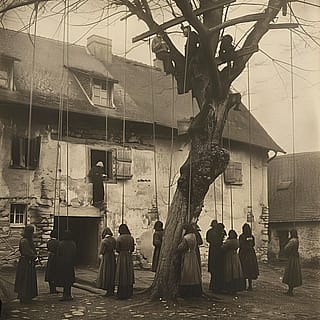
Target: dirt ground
266,301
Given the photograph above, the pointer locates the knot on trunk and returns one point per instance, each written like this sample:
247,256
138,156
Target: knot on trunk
206,165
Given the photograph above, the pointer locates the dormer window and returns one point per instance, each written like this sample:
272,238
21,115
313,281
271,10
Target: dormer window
102,93
6,73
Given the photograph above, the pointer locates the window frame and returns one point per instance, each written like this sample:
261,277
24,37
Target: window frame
98,93
233,174
112,162
6,65
14,213
34,153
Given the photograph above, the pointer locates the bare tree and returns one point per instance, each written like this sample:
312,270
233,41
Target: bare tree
208,72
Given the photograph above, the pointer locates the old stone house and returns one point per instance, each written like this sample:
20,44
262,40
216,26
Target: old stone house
65,112
294,201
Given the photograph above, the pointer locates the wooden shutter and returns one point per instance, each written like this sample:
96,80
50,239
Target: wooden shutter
233,173
124,161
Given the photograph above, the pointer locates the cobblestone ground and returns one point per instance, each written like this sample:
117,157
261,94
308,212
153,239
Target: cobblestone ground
267,301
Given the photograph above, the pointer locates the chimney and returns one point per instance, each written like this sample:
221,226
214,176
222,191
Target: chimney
101,48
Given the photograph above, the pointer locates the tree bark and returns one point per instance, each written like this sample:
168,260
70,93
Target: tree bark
208,160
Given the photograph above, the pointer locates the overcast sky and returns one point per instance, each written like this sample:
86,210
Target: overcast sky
270,82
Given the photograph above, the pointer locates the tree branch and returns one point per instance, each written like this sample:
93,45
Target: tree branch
206,44
17,4
253,38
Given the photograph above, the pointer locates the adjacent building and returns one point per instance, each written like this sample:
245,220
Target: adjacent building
63,108
294,187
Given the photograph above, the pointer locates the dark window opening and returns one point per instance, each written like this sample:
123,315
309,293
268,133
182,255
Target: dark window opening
20,152
106,157
6,72
18,213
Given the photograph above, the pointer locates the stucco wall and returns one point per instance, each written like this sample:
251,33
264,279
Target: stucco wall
139,191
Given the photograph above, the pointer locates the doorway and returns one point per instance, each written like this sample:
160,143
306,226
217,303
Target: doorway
85,231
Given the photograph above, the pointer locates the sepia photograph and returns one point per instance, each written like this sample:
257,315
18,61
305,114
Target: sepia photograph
159,159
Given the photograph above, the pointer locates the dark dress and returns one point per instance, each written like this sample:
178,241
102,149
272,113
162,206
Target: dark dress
26,277
157,241
248,257
96,177
51,270
107,268
216,259
292,273
233,276
124,271
190,282
66,257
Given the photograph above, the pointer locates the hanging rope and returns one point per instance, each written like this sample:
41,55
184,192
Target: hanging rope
153,132
215,201
36,7
171,146
106,125
65,43
124,117
222,198
293,126
250,209
231,192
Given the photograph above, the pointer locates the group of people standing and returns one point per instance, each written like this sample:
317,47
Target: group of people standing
60,266
116,272
230,271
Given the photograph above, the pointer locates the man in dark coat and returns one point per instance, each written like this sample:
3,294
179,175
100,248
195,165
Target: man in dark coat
26,277
66,258
97,176
51,270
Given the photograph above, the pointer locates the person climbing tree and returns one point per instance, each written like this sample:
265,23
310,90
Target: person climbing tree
162,52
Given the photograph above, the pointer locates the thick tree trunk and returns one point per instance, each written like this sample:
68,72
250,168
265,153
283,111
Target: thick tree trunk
208,160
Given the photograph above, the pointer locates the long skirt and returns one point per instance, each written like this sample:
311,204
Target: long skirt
26,280
106,273
292,273
124,275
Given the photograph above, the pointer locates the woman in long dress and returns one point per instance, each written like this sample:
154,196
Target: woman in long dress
190,282
26,277
216,258
124,272
107,268
292,273
248,256
233,276
157,242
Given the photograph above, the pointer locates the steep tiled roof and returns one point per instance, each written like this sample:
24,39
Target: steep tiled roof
294,194
149,95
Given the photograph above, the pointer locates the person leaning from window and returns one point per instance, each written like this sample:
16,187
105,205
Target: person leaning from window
292,273
157,242
124,272
96,176
66,258
51,269
26,277
107,267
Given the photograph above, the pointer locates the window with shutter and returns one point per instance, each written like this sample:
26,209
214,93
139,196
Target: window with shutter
233,173
102,93
20,149
6,74
108,158
124,162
